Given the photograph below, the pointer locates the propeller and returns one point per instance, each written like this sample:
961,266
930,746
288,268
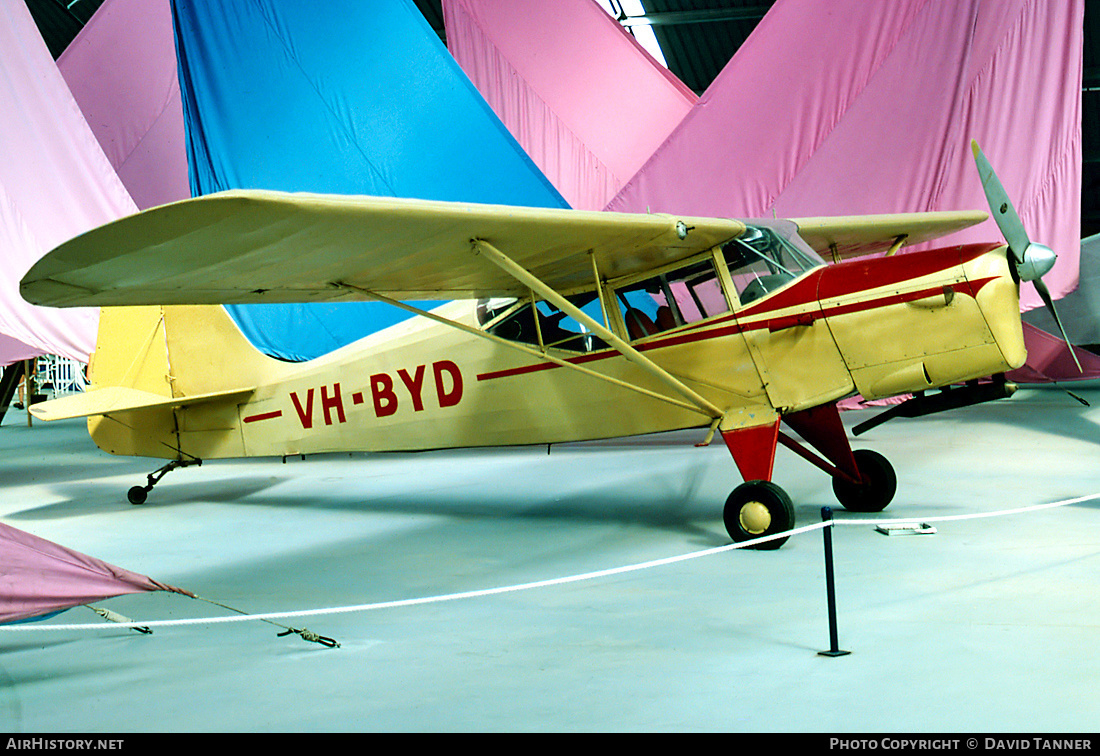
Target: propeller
1032,260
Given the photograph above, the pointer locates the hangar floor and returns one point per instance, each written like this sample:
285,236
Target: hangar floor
989,625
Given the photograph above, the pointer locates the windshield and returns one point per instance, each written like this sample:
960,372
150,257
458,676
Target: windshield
768,255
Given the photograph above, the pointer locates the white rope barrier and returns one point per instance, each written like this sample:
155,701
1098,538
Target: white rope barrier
428,599
397,603
975,516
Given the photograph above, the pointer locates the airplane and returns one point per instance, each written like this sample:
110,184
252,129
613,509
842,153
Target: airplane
565,326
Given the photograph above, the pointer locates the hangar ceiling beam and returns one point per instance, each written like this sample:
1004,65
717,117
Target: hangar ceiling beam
675,18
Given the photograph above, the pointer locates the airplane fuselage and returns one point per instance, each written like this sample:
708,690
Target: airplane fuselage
878,327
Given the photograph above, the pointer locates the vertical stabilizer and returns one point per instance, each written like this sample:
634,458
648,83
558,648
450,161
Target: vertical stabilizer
131,350
174,352
208,353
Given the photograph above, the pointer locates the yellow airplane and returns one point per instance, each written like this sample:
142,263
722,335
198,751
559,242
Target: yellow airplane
567,326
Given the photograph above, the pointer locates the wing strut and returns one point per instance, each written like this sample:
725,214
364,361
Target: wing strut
525,277
519,347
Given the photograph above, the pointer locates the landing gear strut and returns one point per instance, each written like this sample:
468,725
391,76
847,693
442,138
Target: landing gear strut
863,480
138,494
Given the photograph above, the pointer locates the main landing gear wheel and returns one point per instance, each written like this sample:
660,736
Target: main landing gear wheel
137,495
756,509
877,490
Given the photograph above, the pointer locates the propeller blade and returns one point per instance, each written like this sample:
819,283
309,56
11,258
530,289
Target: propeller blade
1032,260
1044,292
1004,214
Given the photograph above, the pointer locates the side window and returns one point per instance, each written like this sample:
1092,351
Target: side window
672,299
516,321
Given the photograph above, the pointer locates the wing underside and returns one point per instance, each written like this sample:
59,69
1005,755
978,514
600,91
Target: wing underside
269,247
842,238
251,246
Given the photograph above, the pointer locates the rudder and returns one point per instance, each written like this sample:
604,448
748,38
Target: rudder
174,351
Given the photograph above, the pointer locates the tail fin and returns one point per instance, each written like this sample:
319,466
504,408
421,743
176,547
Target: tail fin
131,351
175,352
152,362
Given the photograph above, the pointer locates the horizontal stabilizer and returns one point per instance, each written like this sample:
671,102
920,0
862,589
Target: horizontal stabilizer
112,399
842,238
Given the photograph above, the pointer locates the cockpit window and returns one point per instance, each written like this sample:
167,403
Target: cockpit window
515,320
678,297
766,257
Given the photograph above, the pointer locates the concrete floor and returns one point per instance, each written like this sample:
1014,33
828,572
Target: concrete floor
990,625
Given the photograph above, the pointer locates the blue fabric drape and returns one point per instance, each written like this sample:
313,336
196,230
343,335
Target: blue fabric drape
341,97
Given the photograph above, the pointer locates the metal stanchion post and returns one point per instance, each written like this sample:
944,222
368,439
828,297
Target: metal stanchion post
28,387
830,585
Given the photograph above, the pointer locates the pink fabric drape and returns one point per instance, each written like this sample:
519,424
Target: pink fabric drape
121,70
39,577
585,101
809,119
13,350
1048,359
55,183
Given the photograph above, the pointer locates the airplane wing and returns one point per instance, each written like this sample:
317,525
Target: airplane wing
258,246
112,399
253,246
842,238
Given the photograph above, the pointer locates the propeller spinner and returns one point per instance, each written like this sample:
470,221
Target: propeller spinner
1032,260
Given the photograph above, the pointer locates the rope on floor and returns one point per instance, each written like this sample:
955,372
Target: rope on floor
975,516
305,633
423,600
110,616
269,616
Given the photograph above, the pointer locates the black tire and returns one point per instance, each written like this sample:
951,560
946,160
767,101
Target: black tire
878,490
756,509
137,495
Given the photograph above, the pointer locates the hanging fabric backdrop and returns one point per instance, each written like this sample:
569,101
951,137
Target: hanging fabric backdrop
362,98
55,183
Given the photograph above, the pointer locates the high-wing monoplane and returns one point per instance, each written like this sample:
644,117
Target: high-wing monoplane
566,326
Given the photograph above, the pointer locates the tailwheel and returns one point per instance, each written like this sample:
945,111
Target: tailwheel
758,508
878,487
138,494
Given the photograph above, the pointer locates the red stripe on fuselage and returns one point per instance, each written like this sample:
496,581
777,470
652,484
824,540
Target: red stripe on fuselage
828,282
847,278
264,416
851,277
